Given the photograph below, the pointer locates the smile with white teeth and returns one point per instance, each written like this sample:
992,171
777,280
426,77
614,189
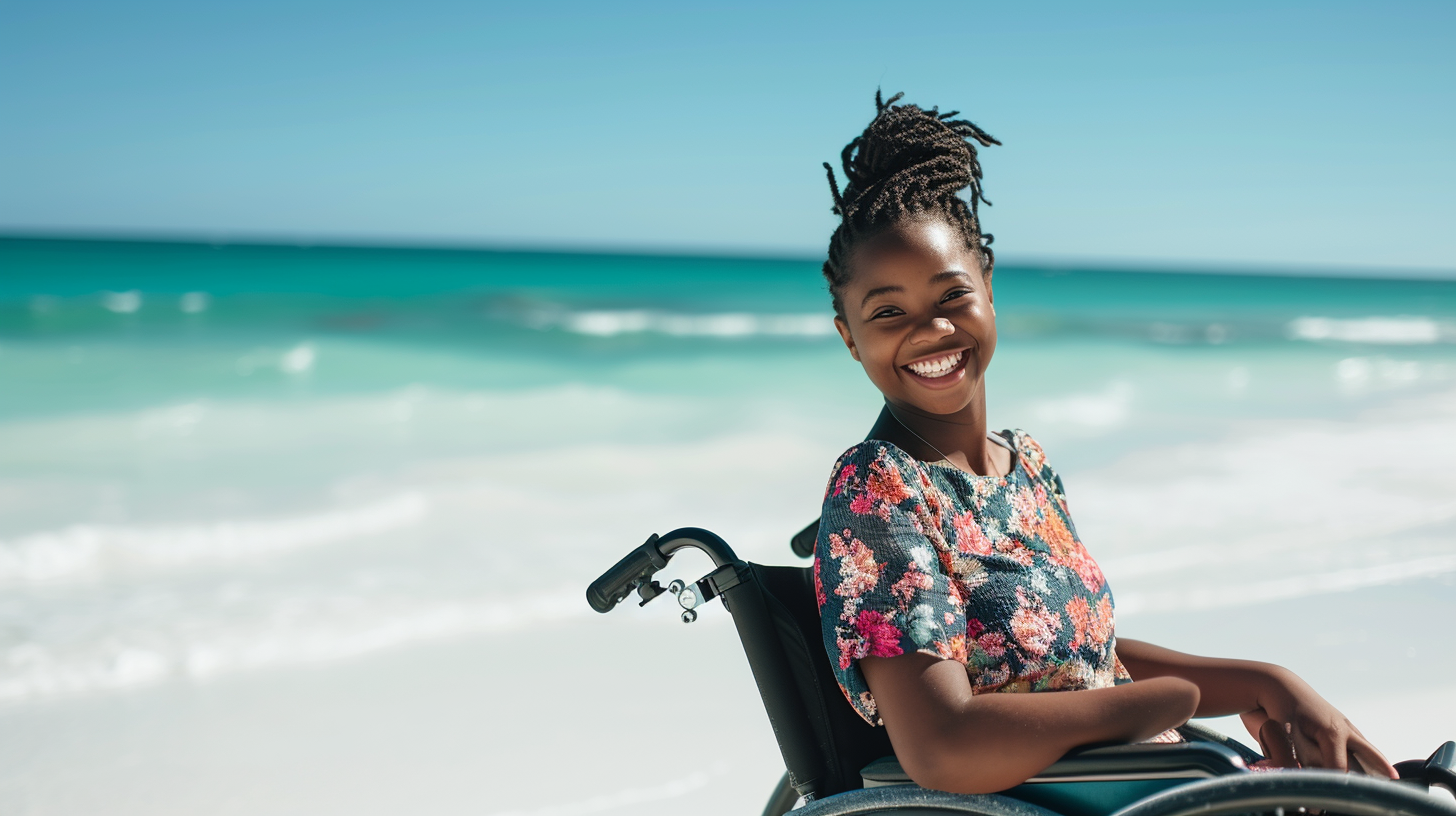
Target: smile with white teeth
938,367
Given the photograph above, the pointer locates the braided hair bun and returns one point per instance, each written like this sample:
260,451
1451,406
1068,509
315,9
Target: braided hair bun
910,163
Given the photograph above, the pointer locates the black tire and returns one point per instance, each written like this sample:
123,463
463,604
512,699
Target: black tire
1273,791
904,800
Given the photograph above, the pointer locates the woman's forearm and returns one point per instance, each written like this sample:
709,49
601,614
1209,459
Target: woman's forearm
1294,725
994,741
1226,686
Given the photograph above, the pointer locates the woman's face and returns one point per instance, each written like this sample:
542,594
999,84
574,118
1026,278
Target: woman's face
918,317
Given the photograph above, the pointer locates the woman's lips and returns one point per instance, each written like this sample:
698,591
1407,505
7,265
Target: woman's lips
941,371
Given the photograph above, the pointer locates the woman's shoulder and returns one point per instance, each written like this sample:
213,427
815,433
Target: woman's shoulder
871,452
1033,460
874,471
1028,450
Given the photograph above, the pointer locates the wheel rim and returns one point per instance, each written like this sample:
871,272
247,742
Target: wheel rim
1289,791
904,800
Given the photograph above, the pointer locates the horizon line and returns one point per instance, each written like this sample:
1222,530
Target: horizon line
408,244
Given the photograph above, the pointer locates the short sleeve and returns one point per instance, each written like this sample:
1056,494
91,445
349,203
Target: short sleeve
1037,466
879,577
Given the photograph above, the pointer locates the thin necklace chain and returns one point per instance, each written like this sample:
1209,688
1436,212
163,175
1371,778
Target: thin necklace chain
923,439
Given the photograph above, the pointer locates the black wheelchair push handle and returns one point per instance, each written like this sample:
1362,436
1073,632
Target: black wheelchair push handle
637,567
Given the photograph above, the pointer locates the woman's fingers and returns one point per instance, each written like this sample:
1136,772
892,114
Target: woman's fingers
1276,745
1254,723
1371,760
1312,742
1307,751
1333,747
1264,746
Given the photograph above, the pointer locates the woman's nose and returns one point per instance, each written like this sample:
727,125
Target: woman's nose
936,329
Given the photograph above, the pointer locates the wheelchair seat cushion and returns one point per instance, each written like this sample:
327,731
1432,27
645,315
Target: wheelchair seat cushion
919,556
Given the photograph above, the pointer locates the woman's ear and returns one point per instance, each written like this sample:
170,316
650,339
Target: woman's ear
846,337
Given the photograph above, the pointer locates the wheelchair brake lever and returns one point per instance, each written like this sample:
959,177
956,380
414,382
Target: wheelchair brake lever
648,590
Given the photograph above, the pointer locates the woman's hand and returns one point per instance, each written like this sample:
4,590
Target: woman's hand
1295,726
1298,728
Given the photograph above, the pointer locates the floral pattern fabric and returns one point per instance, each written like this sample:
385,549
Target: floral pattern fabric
984,570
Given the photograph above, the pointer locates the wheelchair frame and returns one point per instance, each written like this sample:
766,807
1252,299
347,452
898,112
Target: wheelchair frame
837,765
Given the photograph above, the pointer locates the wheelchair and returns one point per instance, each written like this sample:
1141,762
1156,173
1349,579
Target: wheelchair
838,765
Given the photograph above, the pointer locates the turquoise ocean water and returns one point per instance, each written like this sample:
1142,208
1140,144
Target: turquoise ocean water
243,485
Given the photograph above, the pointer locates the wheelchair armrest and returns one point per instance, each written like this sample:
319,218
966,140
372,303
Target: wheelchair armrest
1190,760
1105,763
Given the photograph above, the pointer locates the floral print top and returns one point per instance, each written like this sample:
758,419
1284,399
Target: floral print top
984,570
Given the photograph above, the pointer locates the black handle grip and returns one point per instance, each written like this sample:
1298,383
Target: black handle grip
638,566
616,583
805,540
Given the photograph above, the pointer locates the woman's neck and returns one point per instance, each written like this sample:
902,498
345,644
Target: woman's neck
959,438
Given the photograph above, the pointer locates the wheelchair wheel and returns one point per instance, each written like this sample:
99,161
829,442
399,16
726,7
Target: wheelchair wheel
783,798
905,800
1291,792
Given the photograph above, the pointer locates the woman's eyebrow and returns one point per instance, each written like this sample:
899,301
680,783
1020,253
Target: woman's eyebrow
949,273
882,290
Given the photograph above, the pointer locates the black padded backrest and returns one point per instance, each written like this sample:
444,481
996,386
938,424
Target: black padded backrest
847,742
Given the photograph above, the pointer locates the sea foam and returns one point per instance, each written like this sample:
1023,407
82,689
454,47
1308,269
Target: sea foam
85,549
1400,330
293,632
610,323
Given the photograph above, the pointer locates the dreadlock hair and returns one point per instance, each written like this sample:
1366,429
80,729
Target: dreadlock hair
910,163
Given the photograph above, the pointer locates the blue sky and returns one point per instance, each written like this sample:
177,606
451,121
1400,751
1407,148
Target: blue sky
1222,134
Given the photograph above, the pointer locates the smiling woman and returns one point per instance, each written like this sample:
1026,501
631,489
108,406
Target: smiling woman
947,565
922,324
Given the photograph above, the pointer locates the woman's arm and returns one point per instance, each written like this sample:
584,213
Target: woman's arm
949,739
1226,686
1294,725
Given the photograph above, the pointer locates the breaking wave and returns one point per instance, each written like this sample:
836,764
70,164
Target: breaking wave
1282,589
611,323
86,549
294,634
1399,330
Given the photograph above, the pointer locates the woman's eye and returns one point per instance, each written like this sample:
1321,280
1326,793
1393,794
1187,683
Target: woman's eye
953,294
888,311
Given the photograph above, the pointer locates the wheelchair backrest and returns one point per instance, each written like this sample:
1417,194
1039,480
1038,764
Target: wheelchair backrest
845,742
